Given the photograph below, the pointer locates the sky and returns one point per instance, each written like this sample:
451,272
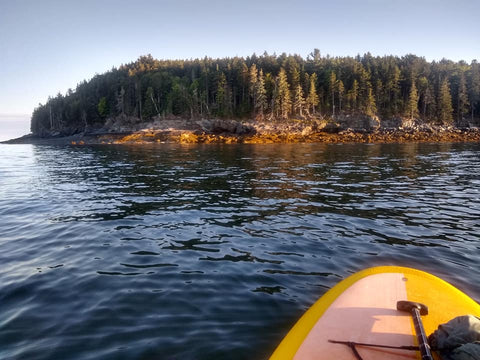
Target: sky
50,46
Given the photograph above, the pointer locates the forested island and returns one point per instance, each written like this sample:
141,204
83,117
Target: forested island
274,97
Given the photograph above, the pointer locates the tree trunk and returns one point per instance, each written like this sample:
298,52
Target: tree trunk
139,100
51,119
333,104
154,104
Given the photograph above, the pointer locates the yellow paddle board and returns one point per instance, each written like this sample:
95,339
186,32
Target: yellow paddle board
362,309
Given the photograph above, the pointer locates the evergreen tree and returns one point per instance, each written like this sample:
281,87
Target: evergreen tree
149,107
253,77
445,109
295,78
270,86
221,96
412,103
341,91
293,73
462,98
228,101
333,88
244,81
430,103
379,94
195,101
422,90
120,97
102,107
364,87
393,89
269,83
275,103
353,96
370,106
261,94
299,101
474,86
177,98
283,101
138,91
312,99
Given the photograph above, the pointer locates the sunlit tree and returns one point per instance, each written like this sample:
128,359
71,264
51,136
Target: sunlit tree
445,109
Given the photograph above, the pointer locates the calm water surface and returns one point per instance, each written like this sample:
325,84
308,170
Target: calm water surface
213,252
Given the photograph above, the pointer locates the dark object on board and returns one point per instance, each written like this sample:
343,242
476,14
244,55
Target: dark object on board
458,339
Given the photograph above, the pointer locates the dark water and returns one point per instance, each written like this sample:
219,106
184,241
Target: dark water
213,252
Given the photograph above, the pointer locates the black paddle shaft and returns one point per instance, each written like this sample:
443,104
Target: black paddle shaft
416,309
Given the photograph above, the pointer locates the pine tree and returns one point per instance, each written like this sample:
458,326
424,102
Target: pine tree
138,94
379,94
270,86
244,81
102,107
228,101
283,103
430,102
462,100
341,91
275,102
299,101
422,90
445,109
353,96
195,102
412,103
474,86
333,88
364,84
392,86
120,97
149,106
261,93
252,82
370,106
312,99
393,90
293,73
295,79
306,83
221,96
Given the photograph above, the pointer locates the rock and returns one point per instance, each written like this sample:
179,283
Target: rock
391,124
308,130
218,126
358,122
331,128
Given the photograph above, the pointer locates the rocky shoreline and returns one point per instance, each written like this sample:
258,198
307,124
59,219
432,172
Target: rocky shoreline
232,131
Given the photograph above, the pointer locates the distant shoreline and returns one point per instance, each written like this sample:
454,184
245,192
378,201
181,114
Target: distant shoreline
14,125
234,132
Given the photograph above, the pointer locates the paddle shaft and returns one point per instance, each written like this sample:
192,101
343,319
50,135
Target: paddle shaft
421,337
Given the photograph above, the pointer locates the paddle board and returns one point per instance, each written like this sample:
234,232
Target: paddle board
362,309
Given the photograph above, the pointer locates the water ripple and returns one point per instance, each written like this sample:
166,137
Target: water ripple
213,252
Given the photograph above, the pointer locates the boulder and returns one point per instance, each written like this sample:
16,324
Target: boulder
358,122
218,126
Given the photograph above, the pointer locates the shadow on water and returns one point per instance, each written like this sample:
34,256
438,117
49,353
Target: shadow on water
214,251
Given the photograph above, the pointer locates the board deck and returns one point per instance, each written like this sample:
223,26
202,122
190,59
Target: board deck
362,308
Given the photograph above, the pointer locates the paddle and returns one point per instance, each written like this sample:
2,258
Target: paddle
417,309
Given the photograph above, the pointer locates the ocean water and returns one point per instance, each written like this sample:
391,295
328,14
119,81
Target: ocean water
214,251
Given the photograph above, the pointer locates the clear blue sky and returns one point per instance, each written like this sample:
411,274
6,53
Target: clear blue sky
49,46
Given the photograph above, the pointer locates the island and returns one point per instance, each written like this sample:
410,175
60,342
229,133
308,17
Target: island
266,99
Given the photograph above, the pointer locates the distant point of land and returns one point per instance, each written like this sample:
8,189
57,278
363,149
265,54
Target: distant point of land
269,98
